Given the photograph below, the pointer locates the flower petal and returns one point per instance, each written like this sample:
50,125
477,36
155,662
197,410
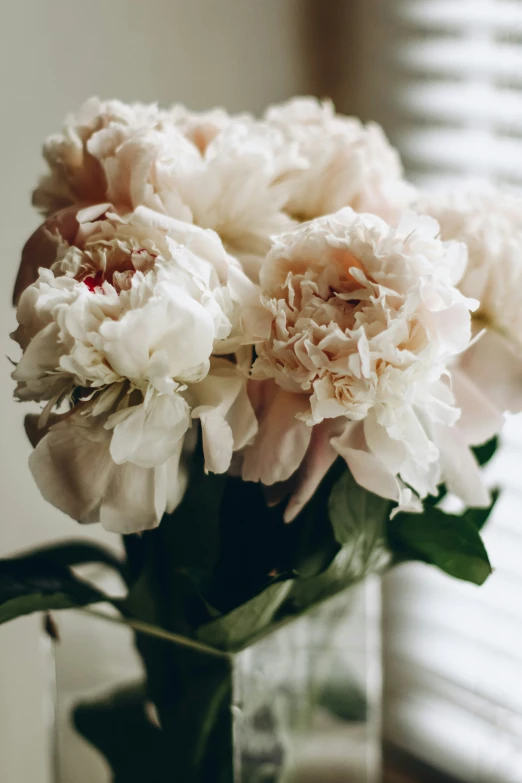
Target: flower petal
242,420
40,249
319,458
218,442
495,368
149,434
480,420
393,453
460,469
129,503
72,466
282,440
367,470
177,471
228,421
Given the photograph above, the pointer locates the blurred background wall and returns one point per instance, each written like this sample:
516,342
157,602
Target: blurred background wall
241,54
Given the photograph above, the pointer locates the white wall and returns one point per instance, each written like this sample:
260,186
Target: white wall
53,54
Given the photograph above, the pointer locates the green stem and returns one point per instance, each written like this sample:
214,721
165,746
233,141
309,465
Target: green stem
158,633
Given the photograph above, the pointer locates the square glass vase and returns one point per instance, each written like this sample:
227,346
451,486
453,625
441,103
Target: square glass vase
301,705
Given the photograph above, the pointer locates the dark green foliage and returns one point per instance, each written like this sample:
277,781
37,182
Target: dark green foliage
117,726
36,583
224,570
486,452
450,541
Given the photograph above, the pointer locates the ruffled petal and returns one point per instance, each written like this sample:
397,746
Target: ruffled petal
393,453
282,440
367,470
420,474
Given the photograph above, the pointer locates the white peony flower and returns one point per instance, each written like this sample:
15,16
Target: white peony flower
242,186
359,321
348,164
75,156
247,180
236,187
225,173
489,222
127,320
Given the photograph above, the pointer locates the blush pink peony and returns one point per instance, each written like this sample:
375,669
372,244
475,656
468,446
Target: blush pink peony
357,326
489,221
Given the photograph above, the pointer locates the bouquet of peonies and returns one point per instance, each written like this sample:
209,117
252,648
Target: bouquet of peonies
263,357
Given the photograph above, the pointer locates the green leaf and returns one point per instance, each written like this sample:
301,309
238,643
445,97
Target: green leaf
358,519
235,630
118,727
191,532
358,516
178,559
348,567
434,500
485,452
35,583
449,541
145,600
77,553
172,565
177,606
479,516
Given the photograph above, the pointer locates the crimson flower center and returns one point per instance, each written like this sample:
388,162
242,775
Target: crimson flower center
94,281
120,269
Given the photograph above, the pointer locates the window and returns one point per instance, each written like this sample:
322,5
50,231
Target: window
458,91
445,79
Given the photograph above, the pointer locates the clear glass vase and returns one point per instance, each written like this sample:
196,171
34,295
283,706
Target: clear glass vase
301,705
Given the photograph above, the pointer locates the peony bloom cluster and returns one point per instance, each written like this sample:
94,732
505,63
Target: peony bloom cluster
359,321
219,172
174,241
489,222
243,178
137,322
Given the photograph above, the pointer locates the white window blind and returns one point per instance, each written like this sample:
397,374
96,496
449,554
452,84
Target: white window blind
447,84
453,652
455,96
